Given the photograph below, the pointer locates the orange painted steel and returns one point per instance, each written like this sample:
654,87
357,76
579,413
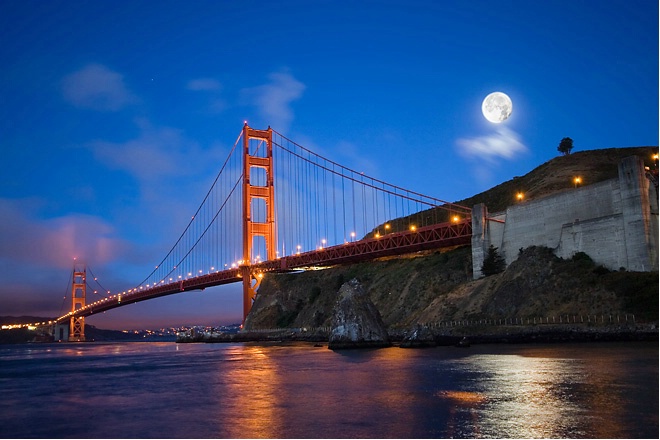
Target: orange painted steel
249,272
253,228
437,236
78,294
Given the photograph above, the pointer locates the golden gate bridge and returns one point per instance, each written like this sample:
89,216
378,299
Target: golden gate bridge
276,206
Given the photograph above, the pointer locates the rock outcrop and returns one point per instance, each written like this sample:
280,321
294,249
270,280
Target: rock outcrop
356,322
420,336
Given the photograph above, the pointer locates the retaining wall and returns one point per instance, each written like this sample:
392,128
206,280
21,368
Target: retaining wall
615,222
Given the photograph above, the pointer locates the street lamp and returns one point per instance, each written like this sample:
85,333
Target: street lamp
520,196
577,181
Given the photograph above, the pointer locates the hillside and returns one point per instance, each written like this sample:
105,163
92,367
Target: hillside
435,287
557,175
554,176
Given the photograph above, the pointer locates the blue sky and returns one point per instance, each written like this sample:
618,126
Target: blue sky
116,116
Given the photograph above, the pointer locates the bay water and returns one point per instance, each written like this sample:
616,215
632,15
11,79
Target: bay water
170,390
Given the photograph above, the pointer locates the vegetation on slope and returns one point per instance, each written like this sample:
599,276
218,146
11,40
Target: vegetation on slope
438,286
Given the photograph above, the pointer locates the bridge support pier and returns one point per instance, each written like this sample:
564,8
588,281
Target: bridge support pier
251,283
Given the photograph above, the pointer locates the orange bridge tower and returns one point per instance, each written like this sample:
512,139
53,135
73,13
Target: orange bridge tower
78,292
265,194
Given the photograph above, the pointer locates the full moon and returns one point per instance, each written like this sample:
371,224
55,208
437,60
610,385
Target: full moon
497,107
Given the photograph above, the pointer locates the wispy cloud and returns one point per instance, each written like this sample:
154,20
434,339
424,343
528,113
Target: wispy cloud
56,241
170,170
157,153
273,100
97,87
503,144
486,152
38,253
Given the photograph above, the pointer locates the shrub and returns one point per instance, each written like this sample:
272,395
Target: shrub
493,263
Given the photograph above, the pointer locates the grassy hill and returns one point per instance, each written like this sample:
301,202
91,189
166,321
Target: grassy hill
556,175
437,286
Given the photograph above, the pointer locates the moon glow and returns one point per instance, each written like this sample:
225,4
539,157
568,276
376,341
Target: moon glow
497,107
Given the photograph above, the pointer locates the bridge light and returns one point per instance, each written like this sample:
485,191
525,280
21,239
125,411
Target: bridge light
377,235
577,181
413,228
455,219
387,226
520,196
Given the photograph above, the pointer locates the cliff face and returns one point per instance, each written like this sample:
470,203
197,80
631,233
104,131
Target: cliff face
435,287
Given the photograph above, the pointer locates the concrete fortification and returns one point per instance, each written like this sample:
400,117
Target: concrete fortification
615,222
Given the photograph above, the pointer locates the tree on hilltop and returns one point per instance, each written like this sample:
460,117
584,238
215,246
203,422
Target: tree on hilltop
565,146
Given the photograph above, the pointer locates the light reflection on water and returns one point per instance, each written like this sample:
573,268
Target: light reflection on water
165,390
526,396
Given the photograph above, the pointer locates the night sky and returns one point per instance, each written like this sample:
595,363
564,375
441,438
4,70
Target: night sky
117,115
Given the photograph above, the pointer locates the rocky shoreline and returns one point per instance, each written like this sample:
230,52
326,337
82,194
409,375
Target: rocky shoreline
356,323
431,337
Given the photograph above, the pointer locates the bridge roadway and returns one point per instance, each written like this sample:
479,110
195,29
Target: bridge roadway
398,243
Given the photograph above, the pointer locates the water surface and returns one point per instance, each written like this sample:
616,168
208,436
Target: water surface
168,390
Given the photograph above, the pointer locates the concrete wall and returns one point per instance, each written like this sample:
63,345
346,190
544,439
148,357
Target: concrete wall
615,222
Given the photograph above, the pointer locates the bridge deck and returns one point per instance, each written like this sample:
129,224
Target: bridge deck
429,237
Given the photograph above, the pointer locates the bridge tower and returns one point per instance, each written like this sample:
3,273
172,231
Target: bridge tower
254,228
78,293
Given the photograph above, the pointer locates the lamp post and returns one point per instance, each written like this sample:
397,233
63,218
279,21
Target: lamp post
577,181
